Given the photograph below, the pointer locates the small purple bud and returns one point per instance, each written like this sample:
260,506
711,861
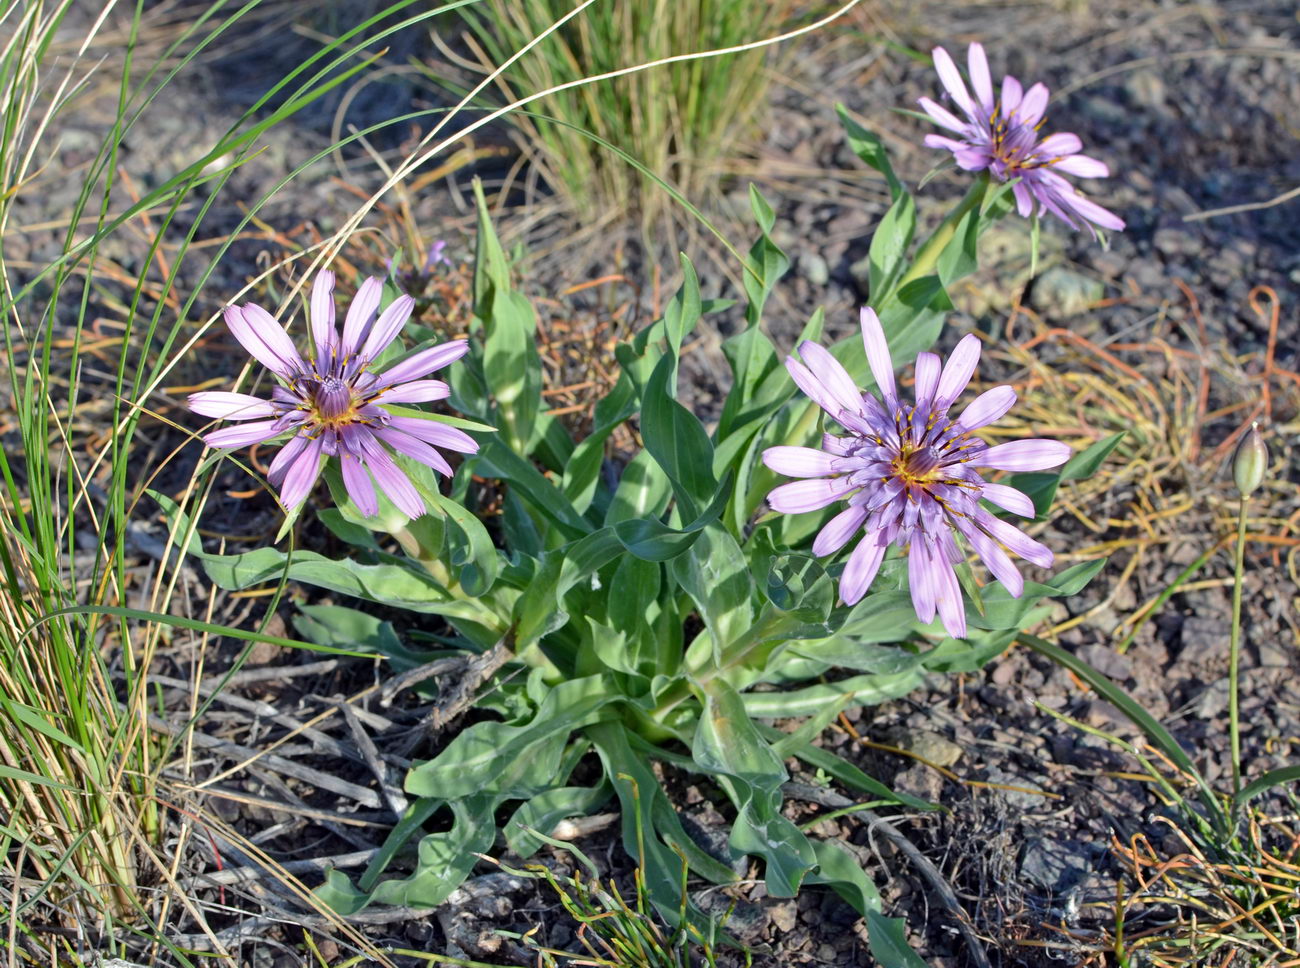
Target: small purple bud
1250,463
437,256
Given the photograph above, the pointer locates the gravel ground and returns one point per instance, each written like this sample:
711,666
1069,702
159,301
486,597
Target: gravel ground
1193,106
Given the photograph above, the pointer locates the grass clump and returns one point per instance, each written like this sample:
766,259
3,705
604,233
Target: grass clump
681,120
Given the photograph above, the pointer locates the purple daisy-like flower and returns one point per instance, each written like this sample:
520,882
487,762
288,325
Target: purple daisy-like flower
909,474
334,403
999,134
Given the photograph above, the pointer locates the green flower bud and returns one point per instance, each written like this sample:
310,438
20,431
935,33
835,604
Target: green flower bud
1250,463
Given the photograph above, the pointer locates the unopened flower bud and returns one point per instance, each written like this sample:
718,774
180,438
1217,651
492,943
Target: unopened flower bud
1250,462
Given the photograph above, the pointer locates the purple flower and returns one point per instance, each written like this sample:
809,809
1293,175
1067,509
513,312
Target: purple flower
908,474
1000,135
333,404
437,256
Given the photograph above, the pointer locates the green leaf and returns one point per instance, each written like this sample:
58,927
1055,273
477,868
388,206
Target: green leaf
498,460
714,572
676,439
643,491
888,939
871,150
544,811
582,472
1278,777
1083,465
887,257
540,609
728,745
865,690
840,871
519,760
469,547
655,541
840,769
1001,611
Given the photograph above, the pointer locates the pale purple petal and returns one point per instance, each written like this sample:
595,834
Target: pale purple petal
1013,500
1032,106
877,349
264,339
1024,455
831,374
356,481
284,457
300,476
424,362
922,581
800,461
1082,166
394,483
415,391
1012,92
1058,145
1024,199
361,313
324,335
1015,539
861,568
244,435
813,495
989,406
980,80
952,81
1093,212
948,597
386,328
230,406
942,116
997,561
414,448
438,434
958,370
927,380
835,534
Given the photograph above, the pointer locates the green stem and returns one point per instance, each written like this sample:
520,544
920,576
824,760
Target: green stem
1234,653
928,255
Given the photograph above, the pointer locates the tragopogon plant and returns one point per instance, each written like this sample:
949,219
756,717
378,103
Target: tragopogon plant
653,606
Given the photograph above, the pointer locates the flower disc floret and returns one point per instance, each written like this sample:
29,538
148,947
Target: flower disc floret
998,131
909,474
334,404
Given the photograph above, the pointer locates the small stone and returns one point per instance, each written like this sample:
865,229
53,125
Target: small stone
1055,865
784,915
1107,661
1063,292
929,746
814,268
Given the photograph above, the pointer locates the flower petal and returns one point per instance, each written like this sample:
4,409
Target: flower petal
958,370
414,448
424,362
386,328
285,457
361,313
942,116
812,495
1058,145
989,406
800,461
997,561
438,434
827,370
1024,455
228,405
1093,212
244,435
861,568
1081,166
1016,540
415,391
878,358
927,381
1013,500
394,483
952,81
323,332
1012,92
301,473
264,339
835,534
1032,106
978,65
952,611
922,581
356,481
